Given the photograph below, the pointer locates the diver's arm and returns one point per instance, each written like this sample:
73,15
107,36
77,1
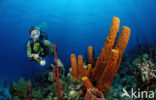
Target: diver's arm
29,54
49,44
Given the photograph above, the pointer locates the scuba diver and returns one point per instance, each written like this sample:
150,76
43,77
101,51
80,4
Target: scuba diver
38,46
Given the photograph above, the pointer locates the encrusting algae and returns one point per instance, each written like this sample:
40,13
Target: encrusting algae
107,63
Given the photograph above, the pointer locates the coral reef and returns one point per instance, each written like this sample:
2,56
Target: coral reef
131,76
125,78
21,90
42,86
85,80
146,72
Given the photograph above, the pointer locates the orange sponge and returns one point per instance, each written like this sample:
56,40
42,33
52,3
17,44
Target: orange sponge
123,40
109,72
89,71
107,63
91,55
78,70
80,66
74,66
122,43
86,82
106,50
114,60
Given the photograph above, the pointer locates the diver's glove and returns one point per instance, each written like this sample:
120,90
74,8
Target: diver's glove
36,56
39,60
42,62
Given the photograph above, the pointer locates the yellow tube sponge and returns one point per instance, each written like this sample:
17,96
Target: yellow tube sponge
86,82
122,43
106,50
74,66
91,55
109,72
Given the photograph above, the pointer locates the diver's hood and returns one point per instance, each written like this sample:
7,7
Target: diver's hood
33,34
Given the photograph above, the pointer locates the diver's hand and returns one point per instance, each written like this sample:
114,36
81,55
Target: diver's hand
35,56
42,62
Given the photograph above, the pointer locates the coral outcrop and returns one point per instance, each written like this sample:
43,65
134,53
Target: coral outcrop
110,57
23,90
146,72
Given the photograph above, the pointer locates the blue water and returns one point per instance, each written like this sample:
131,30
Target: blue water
72,25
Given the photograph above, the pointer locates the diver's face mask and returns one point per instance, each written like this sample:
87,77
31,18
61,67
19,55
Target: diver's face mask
35,34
